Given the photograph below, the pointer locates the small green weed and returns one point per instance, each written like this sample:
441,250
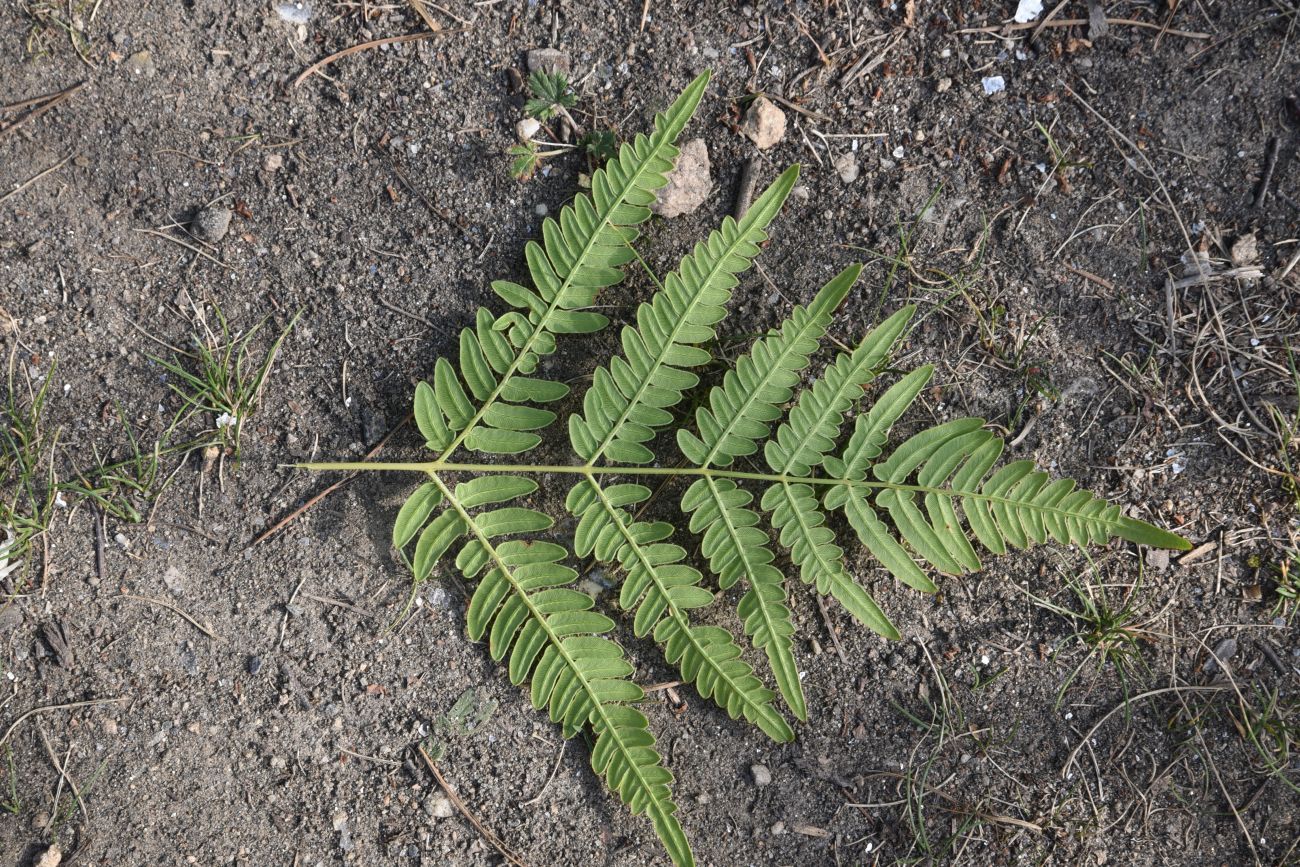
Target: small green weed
12,802
1110,632
552,97
226,385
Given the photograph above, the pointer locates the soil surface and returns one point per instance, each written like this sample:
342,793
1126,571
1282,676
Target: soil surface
1044,196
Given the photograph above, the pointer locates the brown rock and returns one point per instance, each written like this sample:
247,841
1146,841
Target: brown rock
689,183
764,123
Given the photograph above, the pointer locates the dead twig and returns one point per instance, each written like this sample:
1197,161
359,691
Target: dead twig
374,43
188,246
835,638
389,762
62,768
554,769
1266,179
165,604
1128,703
745,188
473,820
292,516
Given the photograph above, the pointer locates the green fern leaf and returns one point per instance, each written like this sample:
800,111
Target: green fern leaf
523,604
1016,505
581,253
659,589
628,400
816,418
742,408
739,415
821,562
737,548
414,512
929,501
800,444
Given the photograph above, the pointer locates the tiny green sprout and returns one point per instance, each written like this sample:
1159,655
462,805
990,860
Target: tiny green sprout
551,93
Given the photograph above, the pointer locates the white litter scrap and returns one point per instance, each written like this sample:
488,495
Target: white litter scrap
5,547
1028,10
994,84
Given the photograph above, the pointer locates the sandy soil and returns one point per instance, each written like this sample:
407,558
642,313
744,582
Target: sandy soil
242,703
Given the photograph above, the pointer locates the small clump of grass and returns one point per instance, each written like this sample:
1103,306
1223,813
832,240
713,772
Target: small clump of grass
26,469
1111,631
221,381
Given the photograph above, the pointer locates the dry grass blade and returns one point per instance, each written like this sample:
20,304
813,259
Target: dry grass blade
506,853
364,46
52,707
43,103
162,603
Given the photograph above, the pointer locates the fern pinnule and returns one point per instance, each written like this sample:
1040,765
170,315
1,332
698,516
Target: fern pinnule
580,254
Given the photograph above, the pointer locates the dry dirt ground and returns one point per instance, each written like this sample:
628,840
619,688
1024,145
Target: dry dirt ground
175,693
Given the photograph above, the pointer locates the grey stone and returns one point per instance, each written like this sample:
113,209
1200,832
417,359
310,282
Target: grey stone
1157,559
211,224
551,60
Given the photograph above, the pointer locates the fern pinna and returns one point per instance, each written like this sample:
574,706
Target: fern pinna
902,504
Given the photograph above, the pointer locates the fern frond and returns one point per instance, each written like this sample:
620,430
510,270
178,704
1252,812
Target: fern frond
801,443
524,605
930,501
737,548
1015,506
660,590
580,254
739,414
628,400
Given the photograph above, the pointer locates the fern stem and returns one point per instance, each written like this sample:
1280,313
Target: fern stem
431,467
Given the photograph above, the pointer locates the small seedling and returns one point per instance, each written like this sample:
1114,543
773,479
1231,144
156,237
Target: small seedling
551,95
120,488
225,386
1062,162
1288,585
1270,724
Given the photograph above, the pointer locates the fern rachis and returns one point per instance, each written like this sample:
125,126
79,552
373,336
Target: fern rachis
901,503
